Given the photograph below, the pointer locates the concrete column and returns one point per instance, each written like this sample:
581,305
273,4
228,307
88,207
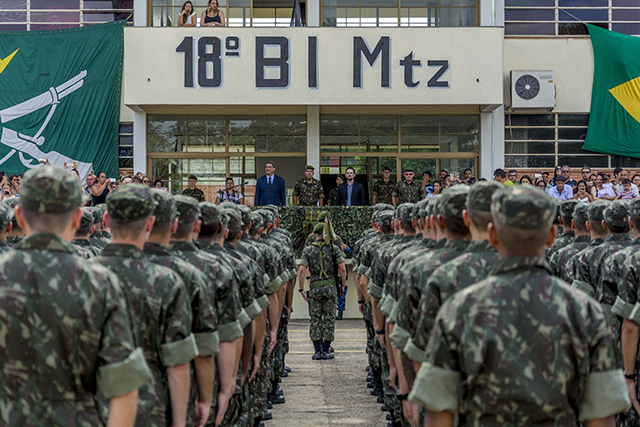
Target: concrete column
313,137
491,142
491,13
140,141
313,13
140,13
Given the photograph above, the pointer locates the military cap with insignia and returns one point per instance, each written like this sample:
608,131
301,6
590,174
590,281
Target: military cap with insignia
567,207
617,214
404,211
454,201
165,210
50,189
479,197
581,212
130,203
523,207
211,214
188,209
596,209
6,216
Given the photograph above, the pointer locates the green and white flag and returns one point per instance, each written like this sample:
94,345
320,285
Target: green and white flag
60,98
614,121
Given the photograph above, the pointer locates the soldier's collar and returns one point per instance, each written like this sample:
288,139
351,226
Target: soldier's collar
510,264
480,246
81,242
122,250
457,244
155,249
617,237
45,241
182,245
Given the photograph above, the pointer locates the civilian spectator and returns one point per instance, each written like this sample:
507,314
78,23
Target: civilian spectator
501,176
541,184
426,182
446,182
626,193
230,193
100,189
468,175
437,189
586,173
146,181
512,175
137,180
556,173
89,181
566,173
525,180
620,175
604,191
561,191
213,17
3,178
333,194
5,193
442,174
14,180
270,188
545,177
350,193
188,16
158,183
635,180
582,194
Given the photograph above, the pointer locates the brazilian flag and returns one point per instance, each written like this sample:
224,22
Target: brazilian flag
60,98
614,121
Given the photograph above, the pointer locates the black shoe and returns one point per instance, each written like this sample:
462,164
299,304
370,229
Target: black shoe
339,316
269,404
261,424
268,416
284,374
383,408
317,346
331,350
380,399
368,368
279,392
279,380
371,384
327,356
375,391
287,369
326,352
276,400
391,423
317,356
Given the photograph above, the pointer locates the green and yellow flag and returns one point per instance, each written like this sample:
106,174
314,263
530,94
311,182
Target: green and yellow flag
60,98
614,121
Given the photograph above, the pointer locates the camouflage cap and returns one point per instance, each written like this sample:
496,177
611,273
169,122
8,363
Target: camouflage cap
567,207
130,203
454,201
581,212
479,198
267,216
404,211
50,189
309,167
417,207
12,202
596,209
234,219
318,228
245,212
228,205
524,207
425,209
383,207
435,206
385,218
210,214
634,209
188,209
98,214
87,217
256,221
6,216
274,210
165,210
617,214
324,215
193,177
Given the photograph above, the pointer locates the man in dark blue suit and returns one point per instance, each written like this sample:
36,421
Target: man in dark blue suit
350,193
270,188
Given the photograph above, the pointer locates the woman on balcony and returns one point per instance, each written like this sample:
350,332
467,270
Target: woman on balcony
212,17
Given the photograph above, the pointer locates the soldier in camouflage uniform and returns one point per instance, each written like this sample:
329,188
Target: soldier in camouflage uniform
6,216
45,281
16,233
192,190
384,190
408,190
559,261
230,315
201,300
308,191
81,240
159,304
556,348
319,262
568,234
100,237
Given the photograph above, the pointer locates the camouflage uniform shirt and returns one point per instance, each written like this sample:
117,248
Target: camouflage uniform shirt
571,270
384,191
559,261
196,193
4,247
409,193
85,248
561,241
308,194
521,348
321,270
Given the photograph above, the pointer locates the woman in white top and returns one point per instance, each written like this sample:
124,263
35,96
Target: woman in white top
187,17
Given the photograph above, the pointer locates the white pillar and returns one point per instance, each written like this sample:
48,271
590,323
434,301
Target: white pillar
313,13
491,142
140,141
140,13
313,137
492,13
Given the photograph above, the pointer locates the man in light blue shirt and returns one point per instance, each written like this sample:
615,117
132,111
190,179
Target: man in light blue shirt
349,191
561,191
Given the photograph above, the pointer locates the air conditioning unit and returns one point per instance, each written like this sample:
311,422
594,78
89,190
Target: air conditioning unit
533,89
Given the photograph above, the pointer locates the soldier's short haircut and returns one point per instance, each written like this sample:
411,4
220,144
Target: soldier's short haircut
161,228
567,221
83,231
127,230
616,229
580,226
456,226
408,226
183,231
597,227
212,230
386,228
480,219
233,233
512,239
48,222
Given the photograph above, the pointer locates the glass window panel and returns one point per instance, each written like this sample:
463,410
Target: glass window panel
167,124
199,143
206,125
530,120
55,17
236,3
529,15
125,163
55,4
126,127
107,4
104,17
419,17
459,143
382,162
571,133
529,134
532,147
571,147
283,16
202,167
418,3
583,3
381,140
379,124
420,143
287,124
239,17
631,29
163,17
14,27
250,165
579,161
173,169
378,3
459,3
459,124
511,29
624,3
388,17
264,17
456,166
352,17
572,28
125,152
342,3
573,119
584,14
529,161
166,143
338,124
125,140
242,143
248,125
334,143
287,143
626,14
530,3
13,4
624,162
368,17
418,165
359,164
341,17
457,17
49,27
420,124
329,16
13,16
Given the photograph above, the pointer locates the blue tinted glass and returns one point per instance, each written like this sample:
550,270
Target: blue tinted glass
529,15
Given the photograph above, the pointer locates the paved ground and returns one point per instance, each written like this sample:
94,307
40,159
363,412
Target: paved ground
327,392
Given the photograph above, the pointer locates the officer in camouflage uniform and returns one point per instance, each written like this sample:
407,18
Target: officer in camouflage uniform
45,281
100,237
222,280
16,234
384,190
308,191
6,216
568,234
201,300
408,190
556,348
317,261
192,190
159,304
81,240
559,261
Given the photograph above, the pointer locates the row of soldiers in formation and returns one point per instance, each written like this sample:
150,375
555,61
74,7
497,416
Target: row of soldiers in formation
466,318
180,319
